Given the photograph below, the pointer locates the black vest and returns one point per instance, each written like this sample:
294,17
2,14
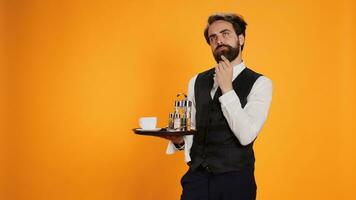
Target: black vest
214,145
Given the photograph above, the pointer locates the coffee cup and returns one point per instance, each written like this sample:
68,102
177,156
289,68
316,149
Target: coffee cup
148,123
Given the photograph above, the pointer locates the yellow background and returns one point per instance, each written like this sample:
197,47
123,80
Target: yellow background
76,75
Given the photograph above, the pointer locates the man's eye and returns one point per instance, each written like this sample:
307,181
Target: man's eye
212,38
225,34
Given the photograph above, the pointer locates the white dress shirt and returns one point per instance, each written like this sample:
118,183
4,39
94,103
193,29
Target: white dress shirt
245,122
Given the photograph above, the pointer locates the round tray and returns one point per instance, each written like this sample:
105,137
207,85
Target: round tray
163,132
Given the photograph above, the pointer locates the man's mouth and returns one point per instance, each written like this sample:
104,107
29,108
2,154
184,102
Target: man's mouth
220,47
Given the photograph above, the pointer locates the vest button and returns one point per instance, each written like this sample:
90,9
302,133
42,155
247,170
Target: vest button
207,169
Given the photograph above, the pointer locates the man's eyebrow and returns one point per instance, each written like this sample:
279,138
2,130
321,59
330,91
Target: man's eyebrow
212,35
224,30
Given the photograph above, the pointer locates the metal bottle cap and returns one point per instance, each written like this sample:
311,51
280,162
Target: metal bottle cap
185,103
178,103
189,103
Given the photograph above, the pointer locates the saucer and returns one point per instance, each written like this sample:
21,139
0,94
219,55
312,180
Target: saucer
155,129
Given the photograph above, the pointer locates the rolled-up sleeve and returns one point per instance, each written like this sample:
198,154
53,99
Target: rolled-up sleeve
247,122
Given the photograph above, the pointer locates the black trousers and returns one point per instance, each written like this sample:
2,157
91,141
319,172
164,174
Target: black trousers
204,185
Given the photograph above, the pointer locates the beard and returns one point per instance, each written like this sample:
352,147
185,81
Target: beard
226,50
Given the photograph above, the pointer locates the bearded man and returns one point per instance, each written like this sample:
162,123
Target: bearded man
230,105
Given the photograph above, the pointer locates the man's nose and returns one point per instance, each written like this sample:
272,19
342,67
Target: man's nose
219,40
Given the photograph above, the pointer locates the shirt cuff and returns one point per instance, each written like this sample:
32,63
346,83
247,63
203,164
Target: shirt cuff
171,149
228,98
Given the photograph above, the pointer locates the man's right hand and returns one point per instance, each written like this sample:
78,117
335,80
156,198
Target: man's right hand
174,139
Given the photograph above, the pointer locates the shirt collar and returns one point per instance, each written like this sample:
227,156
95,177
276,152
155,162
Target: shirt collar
237,69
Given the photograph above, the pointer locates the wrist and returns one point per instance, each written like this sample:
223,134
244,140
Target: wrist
225,90
179,146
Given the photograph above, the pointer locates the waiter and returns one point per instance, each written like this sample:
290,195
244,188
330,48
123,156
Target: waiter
230,106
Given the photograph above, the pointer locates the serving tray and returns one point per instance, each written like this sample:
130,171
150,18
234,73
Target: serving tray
163,132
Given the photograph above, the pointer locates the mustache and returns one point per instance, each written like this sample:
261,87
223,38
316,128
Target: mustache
223,45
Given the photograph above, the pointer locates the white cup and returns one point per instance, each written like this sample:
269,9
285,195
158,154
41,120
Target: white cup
148,123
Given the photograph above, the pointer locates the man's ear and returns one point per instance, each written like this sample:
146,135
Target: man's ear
241,39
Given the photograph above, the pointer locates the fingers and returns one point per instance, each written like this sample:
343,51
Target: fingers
225,61
223,65
220,68
217,69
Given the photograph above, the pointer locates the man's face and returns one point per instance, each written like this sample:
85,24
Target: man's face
223,40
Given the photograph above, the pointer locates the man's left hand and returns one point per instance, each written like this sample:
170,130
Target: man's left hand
223,76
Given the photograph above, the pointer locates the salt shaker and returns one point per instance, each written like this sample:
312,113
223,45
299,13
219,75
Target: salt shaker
180,119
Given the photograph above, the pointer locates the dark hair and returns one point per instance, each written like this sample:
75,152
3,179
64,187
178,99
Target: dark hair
237,22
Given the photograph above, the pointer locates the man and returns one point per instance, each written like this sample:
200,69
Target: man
230,106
